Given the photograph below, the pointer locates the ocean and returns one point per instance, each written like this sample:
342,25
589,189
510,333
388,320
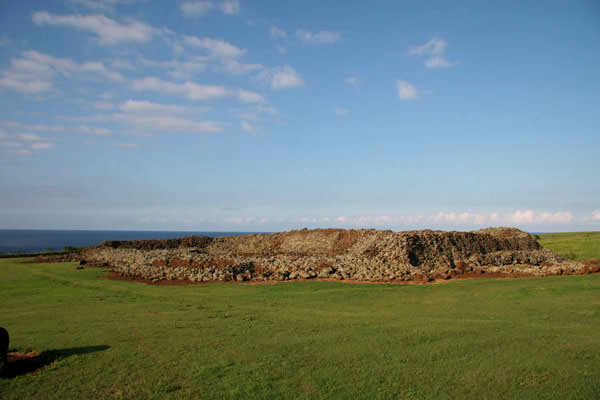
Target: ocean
37,240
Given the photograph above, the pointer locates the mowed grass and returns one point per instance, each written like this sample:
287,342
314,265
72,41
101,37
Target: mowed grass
575,245
472,339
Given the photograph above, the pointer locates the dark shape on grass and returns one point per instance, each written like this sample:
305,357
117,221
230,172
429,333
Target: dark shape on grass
26,363
4,339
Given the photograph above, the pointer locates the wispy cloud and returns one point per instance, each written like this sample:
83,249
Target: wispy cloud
247,126
446,219
195,91
94,131
237,68
33,72
107,30
434,49
30,137
352,80
283,77
5,41
321,37
246,96
406,91
194,9
126,145
231,7
42,145
191,90
179,69
168,118
101,5
277,33
216,48
15,125
339,111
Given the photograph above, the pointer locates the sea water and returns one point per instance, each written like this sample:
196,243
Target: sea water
36,240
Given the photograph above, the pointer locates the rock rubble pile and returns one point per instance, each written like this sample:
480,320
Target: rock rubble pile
360,255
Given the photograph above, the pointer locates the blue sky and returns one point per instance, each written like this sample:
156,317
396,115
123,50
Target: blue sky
268,115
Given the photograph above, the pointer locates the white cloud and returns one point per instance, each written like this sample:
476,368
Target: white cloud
3,135
179,69
225,53
434,46
101,5
42,146
231,7
281,78
236,67
528,217
94,131
281,49
33,72
167,123
216,47
322,37
119,63
435,49
21,152
126,145
277,33
30,137
134,106
250,97
341,111
455,218
352,80
191,90
406,91
192,9
147,116
108,31
447,219
24,83
532,217
14,145
103,105
248,127
437,62
33,127
595,216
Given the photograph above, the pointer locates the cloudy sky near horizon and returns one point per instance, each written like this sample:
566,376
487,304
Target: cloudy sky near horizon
238,115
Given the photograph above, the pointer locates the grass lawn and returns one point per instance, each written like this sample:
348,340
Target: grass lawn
576,245
471,339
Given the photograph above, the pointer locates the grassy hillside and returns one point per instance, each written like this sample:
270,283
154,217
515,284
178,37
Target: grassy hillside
471,339
576,245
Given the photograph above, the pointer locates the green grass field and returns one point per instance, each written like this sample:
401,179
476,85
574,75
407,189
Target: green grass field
533,338
576,246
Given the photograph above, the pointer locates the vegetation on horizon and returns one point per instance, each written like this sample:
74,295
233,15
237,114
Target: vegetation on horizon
572,245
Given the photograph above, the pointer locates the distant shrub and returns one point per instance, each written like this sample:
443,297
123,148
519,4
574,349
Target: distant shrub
72,249
570,255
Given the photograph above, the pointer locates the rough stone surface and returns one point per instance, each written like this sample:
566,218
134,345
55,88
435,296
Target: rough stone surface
362,255
3,349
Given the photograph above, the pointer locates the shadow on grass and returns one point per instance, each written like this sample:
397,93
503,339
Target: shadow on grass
26,363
